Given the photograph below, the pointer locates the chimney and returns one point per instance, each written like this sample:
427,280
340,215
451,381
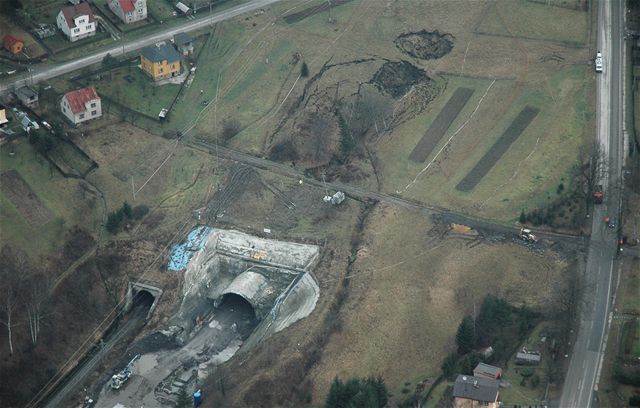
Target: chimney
475,383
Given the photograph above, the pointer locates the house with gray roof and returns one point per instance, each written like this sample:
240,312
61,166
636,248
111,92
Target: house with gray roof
160,61
183,43
472,392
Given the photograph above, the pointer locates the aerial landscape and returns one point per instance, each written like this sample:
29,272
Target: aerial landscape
319,203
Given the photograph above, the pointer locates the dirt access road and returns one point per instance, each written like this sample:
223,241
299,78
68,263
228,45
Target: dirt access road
39,74
364,194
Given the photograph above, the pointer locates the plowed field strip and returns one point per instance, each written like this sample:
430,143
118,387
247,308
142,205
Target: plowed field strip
486,163
23,198
440,125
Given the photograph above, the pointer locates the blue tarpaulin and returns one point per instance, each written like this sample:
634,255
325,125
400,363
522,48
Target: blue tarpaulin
181,253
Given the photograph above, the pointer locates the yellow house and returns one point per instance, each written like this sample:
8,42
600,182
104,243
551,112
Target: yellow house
160,61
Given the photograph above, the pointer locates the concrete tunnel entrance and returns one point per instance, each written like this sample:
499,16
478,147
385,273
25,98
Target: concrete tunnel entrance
235,309
142,295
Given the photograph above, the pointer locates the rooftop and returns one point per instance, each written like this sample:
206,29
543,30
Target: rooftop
71,12
182,38
475,388
78,99
164,52
127,5
487,369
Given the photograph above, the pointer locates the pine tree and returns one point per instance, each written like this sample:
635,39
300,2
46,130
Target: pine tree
183,400
465,338
304,70
523,217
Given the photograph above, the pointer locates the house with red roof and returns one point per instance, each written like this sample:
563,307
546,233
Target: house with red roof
13,44
81,105
77,21
129,11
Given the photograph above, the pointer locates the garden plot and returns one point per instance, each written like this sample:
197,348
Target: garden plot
486,163
440,125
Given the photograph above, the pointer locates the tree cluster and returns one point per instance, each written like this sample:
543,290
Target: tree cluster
357,393
23,290
499,325
124,213
347,142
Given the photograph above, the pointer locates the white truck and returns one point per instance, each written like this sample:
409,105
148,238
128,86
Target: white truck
527,236
599,62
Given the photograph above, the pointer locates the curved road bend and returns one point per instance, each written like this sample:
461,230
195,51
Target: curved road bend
51,71
586,361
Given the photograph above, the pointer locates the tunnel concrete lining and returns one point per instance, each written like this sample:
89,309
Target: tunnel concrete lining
255,289
135,287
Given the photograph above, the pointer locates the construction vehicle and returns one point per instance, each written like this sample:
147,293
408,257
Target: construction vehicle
599,62
598,195
527,235
118,379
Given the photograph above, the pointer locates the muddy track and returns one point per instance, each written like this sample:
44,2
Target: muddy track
235,186
364,194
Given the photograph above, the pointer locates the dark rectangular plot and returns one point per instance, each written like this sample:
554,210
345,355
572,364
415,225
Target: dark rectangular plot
440,125
494,154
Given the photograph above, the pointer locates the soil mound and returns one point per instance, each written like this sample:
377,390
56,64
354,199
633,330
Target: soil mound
397,77
425,45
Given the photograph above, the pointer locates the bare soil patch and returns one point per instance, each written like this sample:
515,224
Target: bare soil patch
310,11
486,163
24,199
426,45
441,124
397,77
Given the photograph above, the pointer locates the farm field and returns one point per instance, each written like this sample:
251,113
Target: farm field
409,282
259,87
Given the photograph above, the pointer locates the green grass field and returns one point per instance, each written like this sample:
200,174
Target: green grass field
522,18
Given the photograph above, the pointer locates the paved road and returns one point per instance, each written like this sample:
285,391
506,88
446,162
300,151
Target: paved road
43,73
584,368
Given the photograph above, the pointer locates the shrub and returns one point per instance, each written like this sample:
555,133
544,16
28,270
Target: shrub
304,70
139,211
230,128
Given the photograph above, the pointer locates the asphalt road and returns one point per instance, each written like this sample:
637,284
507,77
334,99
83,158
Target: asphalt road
586,358
43,73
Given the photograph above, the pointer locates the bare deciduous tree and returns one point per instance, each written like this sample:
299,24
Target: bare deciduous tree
592,167
319,127
12,268
36,294
370,110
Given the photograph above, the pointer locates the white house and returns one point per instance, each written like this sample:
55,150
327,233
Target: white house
129,11
81,105
77,22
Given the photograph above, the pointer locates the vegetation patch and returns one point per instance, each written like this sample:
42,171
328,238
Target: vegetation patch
500,147
397,77
426,45
440,125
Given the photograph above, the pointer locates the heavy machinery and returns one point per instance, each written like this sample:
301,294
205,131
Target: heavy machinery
527,235
598,195
599,62
118,379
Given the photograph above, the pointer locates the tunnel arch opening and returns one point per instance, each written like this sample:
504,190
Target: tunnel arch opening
235,309
143,298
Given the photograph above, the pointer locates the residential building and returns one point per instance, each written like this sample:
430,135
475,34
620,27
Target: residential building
13,44
27,96
160,61
472,392
129,11
77,22
81,105
3,116
183,43
487,371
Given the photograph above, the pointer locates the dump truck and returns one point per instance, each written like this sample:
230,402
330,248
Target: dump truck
598,195
599,62
527,235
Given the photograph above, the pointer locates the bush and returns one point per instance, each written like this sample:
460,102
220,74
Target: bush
230,128
139,211
284,151
346,140
523,217
450,365
304,70
535,380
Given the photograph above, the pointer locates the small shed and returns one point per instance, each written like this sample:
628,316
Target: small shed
523,358
3,116
183,43
27,96
487,371
13,44
28,124
183,8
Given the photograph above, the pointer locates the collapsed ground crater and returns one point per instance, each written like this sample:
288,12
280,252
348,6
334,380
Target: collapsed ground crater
426,45
396,78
